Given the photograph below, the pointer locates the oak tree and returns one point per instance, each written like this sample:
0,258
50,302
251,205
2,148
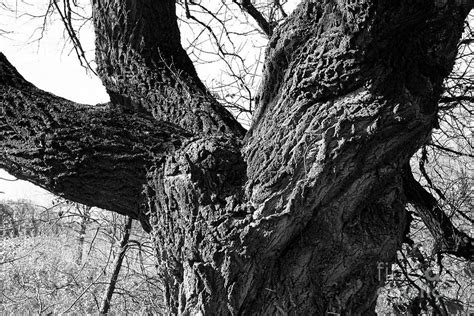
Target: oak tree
290,216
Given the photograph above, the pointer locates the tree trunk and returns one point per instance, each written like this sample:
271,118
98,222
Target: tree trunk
81,239
293,218
84,214
117,265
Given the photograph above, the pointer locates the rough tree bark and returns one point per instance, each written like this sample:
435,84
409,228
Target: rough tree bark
290,217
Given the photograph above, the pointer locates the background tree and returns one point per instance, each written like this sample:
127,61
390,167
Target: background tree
21,218
41,273
291,216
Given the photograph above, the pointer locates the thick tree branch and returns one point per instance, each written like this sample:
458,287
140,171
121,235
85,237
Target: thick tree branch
89,154
325,65
448,238
143,66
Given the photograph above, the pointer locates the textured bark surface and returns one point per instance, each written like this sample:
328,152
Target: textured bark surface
96,155
291,219
143,66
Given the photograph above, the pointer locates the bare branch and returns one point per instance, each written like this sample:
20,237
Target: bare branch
449,99
278,5
5,179
247,6
66,17
448,238
452,151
